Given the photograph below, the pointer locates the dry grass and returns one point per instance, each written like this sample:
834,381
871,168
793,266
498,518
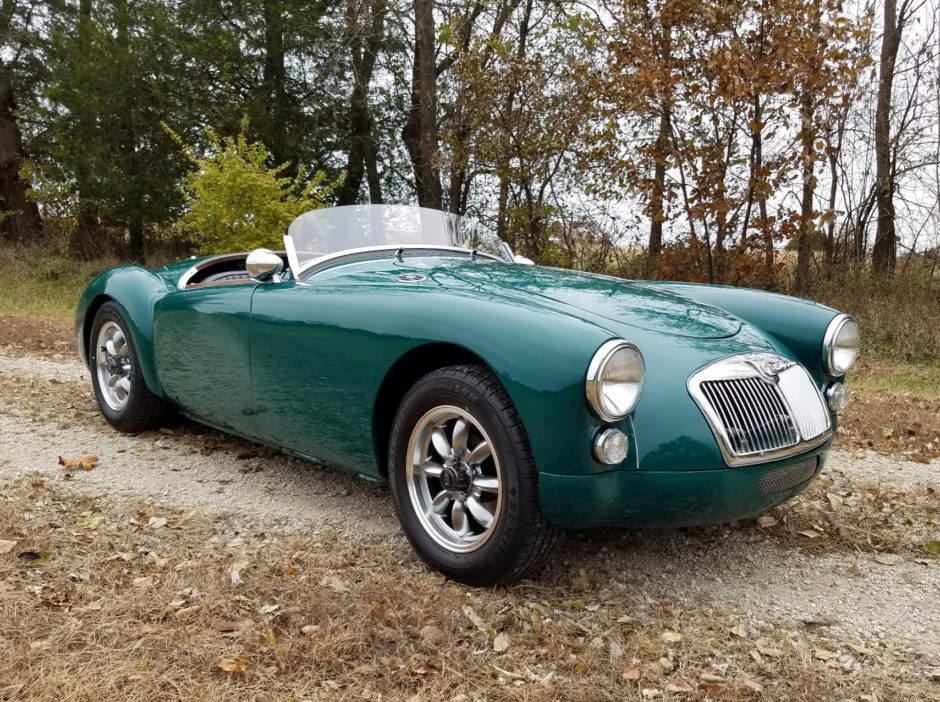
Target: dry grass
898,315
836,515
99,601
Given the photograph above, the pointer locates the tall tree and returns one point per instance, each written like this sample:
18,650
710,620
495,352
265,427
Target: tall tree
365,30
884,252
420,132
19,216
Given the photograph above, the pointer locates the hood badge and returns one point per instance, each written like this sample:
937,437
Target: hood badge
768,368
410,278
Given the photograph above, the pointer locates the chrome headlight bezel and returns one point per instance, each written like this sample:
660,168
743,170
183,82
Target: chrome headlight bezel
833,331
595,379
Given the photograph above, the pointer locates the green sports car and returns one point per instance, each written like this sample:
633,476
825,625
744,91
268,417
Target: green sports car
502,402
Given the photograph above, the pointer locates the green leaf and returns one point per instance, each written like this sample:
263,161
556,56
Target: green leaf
933,548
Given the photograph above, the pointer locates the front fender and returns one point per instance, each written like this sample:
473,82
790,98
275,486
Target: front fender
135,290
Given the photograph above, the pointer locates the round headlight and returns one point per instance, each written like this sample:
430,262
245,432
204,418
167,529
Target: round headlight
840,346
615,380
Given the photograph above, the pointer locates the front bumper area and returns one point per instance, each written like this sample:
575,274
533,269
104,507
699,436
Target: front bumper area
674,498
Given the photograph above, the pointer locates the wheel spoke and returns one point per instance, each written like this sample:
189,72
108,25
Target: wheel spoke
479,454
125,385
441,444
486,483
120,343
112,349
112,381
439,503
461,431
479,511
458,516
432,469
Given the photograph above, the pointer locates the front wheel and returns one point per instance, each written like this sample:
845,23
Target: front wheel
123,397
463,480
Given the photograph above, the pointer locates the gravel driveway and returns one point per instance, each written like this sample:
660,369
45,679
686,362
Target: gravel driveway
48,411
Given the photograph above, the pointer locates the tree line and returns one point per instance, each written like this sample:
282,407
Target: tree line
693,136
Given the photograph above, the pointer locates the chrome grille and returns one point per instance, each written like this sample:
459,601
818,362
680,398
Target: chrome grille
761,407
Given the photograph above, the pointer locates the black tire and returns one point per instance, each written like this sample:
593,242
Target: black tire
143,410
520,540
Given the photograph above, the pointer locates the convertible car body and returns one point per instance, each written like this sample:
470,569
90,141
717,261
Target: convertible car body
501,401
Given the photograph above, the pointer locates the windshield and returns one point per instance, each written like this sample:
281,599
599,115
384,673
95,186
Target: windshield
323,233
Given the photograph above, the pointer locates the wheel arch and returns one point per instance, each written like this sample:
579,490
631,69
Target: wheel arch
404,373
135,291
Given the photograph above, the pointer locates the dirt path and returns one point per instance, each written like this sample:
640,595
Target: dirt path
758,578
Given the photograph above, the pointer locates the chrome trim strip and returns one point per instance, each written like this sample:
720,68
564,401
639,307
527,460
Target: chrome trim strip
832,331
378,249
770,384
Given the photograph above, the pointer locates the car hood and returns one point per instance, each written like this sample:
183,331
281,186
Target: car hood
605,298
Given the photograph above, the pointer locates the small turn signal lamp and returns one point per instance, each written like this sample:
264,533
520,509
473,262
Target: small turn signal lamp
611,446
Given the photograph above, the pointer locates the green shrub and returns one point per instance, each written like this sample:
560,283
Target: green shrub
236,202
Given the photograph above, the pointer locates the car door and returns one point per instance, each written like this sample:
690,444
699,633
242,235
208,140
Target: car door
316,369
202,339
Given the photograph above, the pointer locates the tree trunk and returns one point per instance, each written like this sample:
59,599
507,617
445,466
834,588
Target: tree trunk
362,157
420,133
807,222
273,77
19,217
885,249
658,195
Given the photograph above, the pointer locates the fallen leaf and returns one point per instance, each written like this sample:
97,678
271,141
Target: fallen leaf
755,654
888,559
765,521
157,522
822,654
474,618
770,651
501,642
143,582
223,625
671,637
83,463
39,557
933,548
920,458
234,666
334,583
631,672
834,500
581,581
678,685
740,630
236,578
92,523
809,534
754,685
6,546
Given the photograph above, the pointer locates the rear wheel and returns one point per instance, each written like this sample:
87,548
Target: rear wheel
463,480
122,395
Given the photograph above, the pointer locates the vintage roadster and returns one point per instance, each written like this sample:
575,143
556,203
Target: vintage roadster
502,402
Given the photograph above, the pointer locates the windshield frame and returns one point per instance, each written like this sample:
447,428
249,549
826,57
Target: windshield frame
498,249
